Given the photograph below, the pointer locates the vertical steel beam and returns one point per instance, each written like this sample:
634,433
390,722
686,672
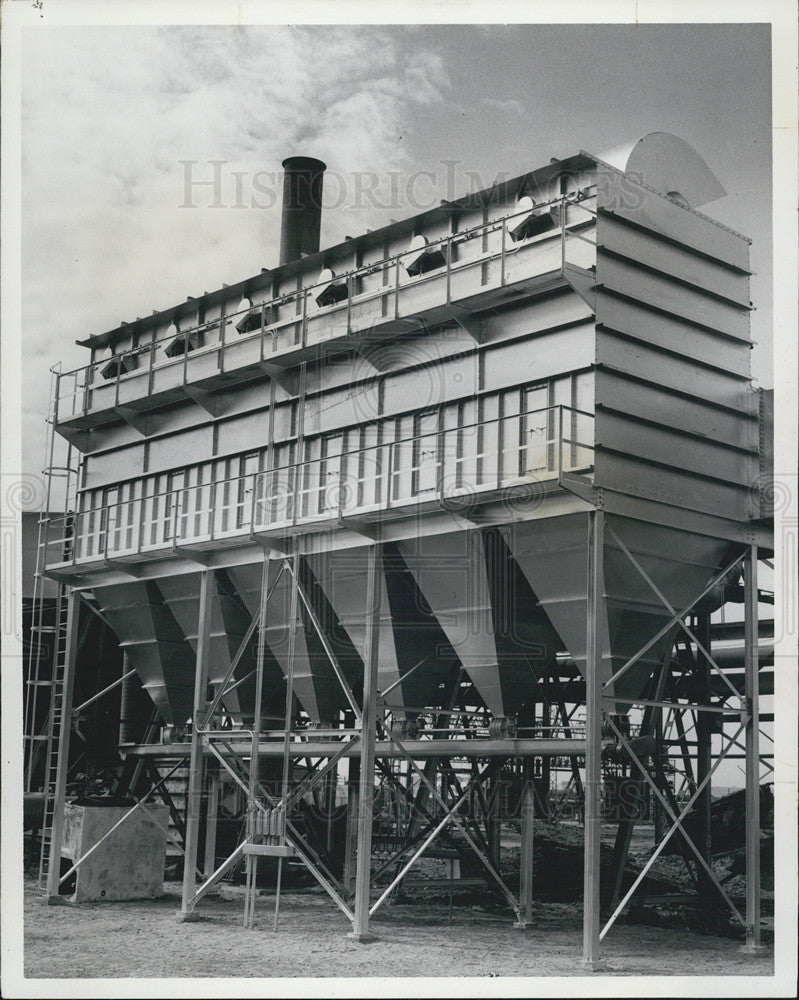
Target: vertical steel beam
360,925
752,695
593,735
212,811
62,765
526,856
351,829
195,789
255,767
704,749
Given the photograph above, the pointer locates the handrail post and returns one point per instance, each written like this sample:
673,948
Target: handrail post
116,381
86,382
263,327
174,497
140,529
222,329
502,255
304,320
560,442
254,480
396,288
150,374
449,270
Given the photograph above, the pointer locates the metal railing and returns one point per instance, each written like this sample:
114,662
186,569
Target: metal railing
450,467
276,337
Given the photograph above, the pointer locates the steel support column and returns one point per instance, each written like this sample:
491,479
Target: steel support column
351,829
211,817
752,695
526,854
62,766
704,748
360,925
196,759
593,735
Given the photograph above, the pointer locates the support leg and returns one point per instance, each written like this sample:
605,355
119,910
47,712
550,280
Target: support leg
210,823
752,694
351,831
360,925
526,855
195,789
593,735
704,751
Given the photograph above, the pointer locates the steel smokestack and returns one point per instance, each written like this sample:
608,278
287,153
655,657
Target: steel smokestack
302,207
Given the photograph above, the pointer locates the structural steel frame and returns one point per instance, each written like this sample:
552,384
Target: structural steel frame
352,894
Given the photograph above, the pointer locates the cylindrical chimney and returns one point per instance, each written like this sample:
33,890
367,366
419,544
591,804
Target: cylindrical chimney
302,207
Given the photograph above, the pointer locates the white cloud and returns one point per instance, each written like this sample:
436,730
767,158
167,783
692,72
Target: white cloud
108,114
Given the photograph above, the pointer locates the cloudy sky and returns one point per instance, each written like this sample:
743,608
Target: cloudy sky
116,121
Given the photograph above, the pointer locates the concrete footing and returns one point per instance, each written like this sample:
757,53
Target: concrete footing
362,938
753,949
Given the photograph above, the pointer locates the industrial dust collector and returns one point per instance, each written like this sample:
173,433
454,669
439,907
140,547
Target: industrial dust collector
466,388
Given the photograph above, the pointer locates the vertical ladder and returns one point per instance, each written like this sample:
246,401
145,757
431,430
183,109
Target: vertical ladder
39,680
55,725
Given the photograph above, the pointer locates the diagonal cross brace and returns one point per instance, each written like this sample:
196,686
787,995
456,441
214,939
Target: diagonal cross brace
449,816
676,619
460,825
671,610
677,823
292,836
326,646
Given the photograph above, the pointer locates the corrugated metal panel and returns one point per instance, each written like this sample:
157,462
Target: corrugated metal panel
695,416
639,478
665,293
650,249
620,195
667,447
672,334
652,365
534,316
551,354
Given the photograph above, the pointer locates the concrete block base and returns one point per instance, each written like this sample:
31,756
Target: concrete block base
362,938
753,949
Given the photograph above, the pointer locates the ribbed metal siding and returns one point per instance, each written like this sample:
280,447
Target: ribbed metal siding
676,417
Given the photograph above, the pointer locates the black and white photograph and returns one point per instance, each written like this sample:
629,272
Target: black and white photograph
399,499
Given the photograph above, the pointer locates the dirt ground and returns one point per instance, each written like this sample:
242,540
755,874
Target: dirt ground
145,939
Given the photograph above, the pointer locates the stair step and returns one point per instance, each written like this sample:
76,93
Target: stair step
270,850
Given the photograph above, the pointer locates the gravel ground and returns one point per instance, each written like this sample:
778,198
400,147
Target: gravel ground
145,939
